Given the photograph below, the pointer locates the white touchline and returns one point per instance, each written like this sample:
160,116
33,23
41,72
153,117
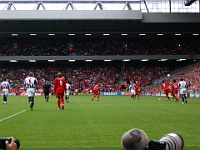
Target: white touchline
12,115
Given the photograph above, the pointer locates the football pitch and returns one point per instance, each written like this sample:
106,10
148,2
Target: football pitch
97,125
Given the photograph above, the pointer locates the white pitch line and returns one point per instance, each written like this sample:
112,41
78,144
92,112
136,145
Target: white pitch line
12,115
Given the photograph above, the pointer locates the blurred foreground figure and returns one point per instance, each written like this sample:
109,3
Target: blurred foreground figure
134,139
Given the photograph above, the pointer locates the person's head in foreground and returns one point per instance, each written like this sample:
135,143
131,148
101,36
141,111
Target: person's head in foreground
134,139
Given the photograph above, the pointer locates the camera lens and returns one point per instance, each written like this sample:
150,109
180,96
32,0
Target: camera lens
173,141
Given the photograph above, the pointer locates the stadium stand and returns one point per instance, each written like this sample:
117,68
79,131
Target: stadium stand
99,46
18,43
85,75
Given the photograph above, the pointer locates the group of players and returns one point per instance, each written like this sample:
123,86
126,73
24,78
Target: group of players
61,89
134,88
169,88
173,88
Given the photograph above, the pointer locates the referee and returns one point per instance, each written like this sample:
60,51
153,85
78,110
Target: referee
46,90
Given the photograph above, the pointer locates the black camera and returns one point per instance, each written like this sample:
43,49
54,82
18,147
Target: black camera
156,145
171,141
3,144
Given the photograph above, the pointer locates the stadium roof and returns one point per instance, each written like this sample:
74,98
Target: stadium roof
62,23
96,17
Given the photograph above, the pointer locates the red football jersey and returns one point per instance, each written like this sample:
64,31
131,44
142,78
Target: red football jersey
96,87
137,86
174,85
59,85
165,85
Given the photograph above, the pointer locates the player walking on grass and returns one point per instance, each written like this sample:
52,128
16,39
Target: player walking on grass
132,90
137,89
96,92
59,89
183,90
68,86
30,83
46,90
5,86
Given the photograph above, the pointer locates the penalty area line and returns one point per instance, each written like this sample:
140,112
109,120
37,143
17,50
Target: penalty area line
12,115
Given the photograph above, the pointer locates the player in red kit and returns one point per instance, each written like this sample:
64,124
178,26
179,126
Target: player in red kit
59,89
174,86
96,92
137,89
166,89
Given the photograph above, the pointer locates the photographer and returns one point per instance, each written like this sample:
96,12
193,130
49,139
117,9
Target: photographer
134,139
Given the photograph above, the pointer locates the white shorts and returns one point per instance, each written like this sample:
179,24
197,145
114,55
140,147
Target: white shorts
133,91
183,91
5,91
67,93
30,92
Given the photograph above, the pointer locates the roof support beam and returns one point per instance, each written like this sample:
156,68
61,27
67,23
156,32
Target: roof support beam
146,5
40,4
9,6
128,6
189,2
99,4
69,4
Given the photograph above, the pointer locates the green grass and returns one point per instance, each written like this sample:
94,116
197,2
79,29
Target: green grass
97,125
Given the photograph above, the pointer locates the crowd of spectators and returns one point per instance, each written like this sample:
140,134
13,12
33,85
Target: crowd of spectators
112,77
99,46
80,77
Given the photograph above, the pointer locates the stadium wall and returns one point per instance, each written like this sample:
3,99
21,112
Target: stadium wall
190,94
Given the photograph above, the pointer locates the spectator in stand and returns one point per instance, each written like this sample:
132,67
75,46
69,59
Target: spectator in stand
99,46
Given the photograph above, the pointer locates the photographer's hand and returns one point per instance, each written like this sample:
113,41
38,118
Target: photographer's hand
12,145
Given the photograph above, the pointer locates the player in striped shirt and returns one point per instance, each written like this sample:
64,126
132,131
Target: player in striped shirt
183,90
132,90
5,86
68,86
30,83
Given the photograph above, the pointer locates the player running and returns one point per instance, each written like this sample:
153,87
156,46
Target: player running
174,86
166,89
183,90
96,92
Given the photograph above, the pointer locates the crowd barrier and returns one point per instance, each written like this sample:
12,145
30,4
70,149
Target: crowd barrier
189,94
